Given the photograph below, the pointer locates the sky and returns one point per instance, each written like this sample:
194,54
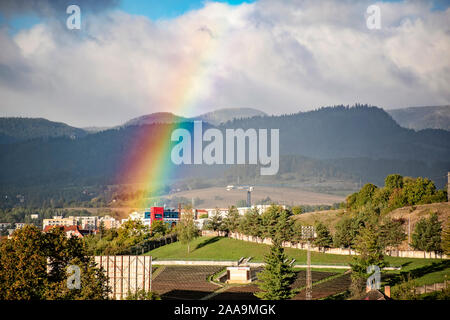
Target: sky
132,57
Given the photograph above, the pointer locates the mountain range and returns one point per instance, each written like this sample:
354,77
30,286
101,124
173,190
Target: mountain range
360,142
21,129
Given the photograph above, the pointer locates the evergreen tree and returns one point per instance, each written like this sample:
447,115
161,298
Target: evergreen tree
277,277
277,224
427,234
446,240
231,222
370,249
323,238
215,223
392,233
346,231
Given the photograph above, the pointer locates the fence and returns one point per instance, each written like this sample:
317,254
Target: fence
341,251
431,287
126,274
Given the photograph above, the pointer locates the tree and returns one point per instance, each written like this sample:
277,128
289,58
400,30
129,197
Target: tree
23,267
158,228
215,223
101,229
284,229
392,233
346,231
186,229
231,222
419,190
367,243
427,234
297,210
277,224
323,238
405,290
251,224
393,181
277,276
446,240
143,295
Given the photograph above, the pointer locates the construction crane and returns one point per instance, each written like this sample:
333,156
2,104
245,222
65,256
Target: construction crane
249,192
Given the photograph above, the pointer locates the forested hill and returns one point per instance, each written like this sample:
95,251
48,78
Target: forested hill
20,129
343,132
362,132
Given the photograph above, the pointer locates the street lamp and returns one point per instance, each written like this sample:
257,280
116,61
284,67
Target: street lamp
308,234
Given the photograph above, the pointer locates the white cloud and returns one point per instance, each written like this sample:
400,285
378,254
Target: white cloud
278,56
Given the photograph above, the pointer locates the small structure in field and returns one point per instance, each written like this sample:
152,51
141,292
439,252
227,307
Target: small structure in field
239,275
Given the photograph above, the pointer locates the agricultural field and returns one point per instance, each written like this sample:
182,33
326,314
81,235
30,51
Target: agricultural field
184,282
192,283
327,288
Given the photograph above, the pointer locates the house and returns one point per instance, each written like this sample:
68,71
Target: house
60,221
378,295
86,222
109,222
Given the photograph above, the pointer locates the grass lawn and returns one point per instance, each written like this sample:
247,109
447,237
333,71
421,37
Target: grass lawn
220,248
424,271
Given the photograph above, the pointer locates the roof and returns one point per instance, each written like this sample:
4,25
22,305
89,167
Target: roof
66,229
376,295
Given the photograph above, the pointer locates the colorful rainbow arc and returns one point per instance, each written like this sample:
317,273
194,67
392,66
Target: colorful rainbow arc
192,76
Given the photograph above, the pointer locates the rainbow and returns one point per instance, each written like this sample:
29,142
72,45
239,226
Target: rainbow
150,149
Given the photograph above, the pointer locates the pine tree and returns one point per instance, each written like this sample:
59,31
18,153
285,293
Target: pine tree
277,277
392,233
231,222
427,234
215,223
368,244
323,238
446,240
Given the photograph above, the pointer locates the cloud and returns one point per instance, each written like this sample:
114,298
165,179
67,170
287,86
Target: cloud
278,56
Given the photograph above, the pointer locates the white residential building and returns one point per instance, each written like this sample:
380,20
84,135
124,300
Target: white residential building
60,221
86,222
109,222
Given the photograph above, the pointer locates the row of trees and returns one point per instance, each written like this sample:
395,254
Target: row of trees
397,192
130,233
278,222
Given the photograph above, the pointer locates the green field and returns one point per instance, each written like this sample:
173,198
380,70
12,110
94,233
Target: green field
219,248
